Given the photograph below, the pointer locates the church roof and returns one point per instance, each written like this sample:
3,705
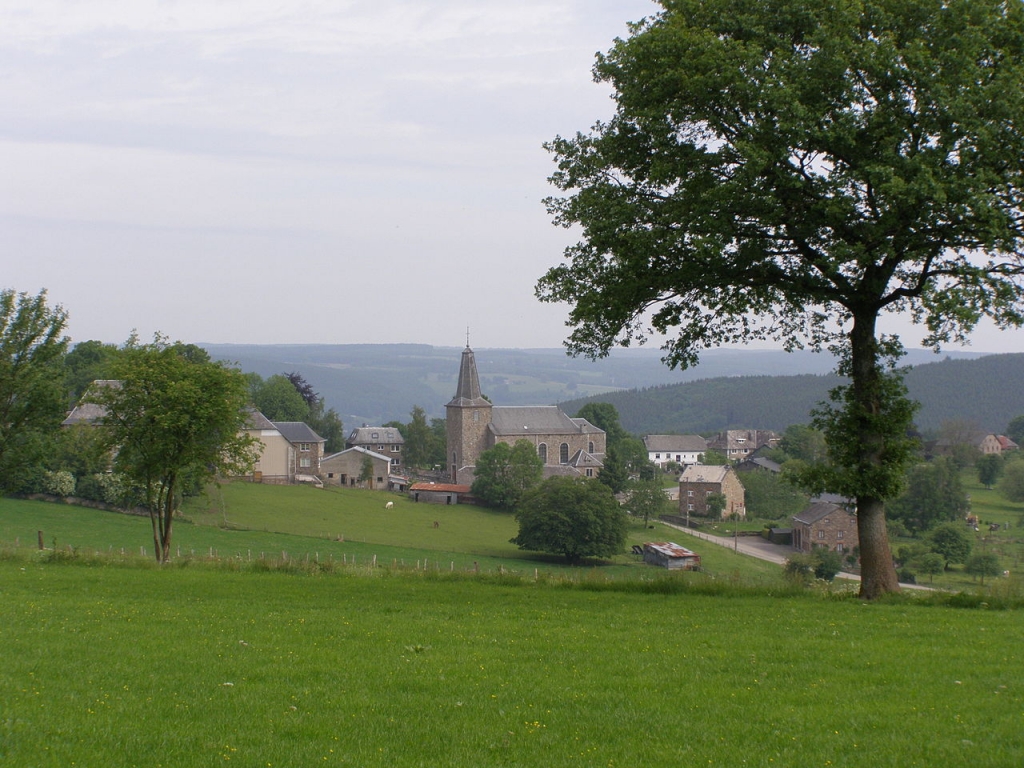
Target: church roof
467,393
533,420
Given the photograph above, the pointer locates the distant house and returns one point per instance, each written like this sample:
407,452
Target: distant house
346,467
672,556
308,448
759,464
386,441
699,481
682,449
825,524
438,493
738,444
997,444
88,412
289,451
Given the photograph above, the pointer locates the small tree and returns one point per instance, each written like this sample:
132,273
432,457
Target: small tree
366,470
982,564
646,499
1011,484
715,504
934,495
930,564
827,563
505,472
574,517
952,542
173,422
989,468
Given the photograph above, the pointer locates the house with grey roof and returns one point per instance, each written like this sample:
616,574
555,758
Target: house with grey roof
308,449
825,524
567,446
699,481
386,441
681,449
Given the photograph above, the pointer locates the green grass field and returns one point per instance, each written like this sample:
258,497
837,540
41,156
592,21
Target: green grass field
198,666
219,660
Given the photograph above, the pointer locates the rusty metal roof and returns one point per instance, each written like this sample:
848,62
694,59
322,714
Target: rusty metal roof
671,549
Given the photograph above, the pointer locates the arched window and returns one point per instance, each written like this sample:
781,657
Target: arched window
590,447
542,451
563,453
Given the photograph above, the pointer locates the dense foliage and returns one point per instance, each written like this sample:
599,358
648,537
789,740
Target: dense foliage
574,517
506,472
32,398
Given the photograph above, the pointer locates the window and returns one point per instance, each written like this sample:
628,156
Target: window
839,547
590,447
590,473
330,475
542,451
304,462
476,415
657,455
304,446
375,435
395,462
381,447
689,493
689,507
840,534
396,448
821,534
563,453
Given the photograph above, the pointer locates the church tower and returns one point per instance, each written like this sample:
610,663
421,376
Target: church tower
466,419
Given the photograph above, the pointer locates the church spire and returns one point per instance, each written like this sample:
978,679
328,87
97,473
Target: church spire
467,393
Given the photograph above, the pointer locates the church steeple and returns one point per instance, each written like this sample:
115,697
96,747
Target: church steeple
467,392
467,418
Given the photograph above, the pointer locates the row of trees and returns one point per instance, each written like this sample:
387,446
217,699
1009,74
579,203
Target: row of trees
173,417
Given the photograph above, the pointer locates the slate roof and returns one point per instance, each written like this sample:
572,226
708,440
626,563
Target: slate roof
298,432
256,420
358,448
704,473
534,420
675,443
817,511
365,435
467,393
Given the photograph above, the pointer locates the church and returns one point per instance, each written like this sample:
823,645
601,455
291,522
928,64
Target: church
567,446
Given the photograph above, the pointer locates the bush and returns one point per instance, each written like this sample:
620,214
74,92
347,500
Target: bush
59,483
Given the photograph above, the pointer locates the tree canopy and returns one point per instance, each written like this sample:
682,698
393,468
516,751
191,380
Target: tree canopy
32,396
792,171
173,421
505,472
574,517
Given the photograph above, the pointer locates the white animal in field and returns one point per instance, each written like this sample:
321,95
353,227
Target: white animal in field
389,505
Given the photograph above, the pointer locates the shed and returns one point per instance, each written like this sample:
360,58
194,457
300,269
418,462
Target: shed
437,493
672,556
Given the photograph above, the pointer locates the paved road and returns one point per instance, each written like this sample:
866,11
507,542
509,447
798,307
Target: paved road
754,546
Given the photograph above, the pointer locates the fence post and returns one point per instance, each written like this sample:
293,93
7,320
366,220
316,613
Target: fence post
40,534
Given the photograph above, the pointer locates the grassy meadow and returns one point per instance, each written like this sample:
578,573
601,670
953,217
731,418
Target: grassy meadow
271,642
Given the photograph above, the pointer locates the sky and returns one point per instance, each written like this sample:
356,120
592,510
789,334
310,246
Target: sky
280,172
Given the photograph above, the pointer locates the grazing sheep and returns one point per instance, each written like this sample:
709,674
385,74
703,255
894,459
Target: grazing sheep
437,524
389,505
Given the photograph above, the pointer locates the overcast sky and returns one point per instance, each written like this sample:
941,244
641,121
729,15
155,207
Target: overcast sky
285,172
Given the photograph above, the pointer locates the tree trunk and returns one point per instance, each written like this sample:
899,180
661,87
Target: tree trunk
878,574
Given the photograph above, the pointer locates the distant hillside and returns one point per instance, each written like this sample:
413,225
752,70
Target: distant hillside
375,383
986,391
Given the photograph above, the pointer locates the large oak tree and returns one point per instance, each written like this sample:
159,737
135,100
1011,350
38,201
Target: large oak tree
793,170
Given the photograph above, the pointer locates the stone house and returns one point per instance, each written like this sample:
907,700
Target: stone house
825,524
307,449
473,425
386,441
738,444
345,468
699,481
682,449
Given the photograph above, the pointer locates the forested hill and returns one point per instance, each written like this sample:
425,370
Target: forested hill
987,391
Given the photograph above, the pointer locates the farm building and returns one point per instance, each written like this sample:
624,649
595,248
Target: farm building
438,493
672,556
